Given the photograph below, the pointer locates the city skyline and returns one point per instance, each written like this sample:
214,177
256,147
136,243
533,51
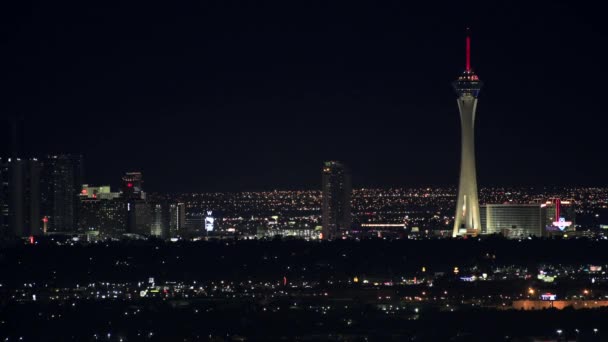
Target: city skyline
258,171
257,99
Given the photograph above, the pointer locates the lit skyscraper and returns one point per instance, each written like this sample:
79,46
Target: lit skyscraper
514,220
177,213
336,199
166,219
160,225
467,87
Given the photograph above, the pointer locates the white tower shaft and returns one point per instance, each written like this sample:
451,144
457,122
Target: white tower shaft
467,203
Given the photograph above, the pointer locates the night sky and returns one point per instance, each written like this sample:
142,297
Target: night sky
231,96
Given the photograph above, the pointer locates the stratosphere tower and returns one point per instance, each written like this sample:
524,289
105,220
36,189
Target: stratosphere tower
467,87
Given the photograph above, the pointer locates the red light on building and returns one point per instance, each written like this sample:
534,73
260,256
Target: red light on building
45,222
468,66
31,239
129,185
284,281
84,191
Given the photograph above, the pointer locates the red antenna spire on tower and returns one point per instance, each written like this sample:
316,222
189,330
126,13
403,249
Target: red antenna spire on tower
468,50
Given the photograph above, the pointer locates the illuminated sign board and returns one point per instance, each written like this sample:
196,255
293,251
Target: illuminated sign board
470,278
593,268
209,222
562,223
548,296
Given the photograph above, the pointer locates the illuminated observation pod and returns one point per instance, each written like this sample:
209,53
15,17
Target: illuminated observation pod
468,84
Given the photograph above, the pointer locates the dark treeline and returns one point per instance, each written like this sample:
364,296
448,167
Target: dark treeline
259,260
246,321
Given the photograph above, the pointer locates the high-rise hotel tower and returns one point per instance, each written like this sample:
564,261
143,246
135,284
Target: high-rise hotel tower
337,192
467,87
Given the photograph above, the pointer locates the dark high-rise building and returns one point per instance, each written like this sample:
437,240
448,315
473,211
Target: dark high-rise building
4,228
62,179
138,212
106,216
19,188
194,224
20,197
16,196
33,208
139,217
336,199
132,186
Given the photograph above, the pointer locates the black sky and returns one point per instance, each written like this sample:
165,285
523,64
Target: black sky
229,96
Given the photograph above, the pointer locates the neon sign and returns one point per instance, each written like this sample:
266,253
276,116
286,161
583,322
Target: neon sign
209,222
548,296
562,223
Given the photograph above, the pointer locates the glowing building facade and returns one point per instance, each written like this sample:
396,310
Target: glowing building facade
514,220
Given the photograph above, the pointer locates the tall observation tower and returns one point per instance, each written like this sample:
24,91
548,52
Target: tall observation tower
467,87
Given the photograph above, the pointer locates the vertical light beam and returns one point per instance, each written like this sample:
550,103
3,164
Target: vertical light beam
468,52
